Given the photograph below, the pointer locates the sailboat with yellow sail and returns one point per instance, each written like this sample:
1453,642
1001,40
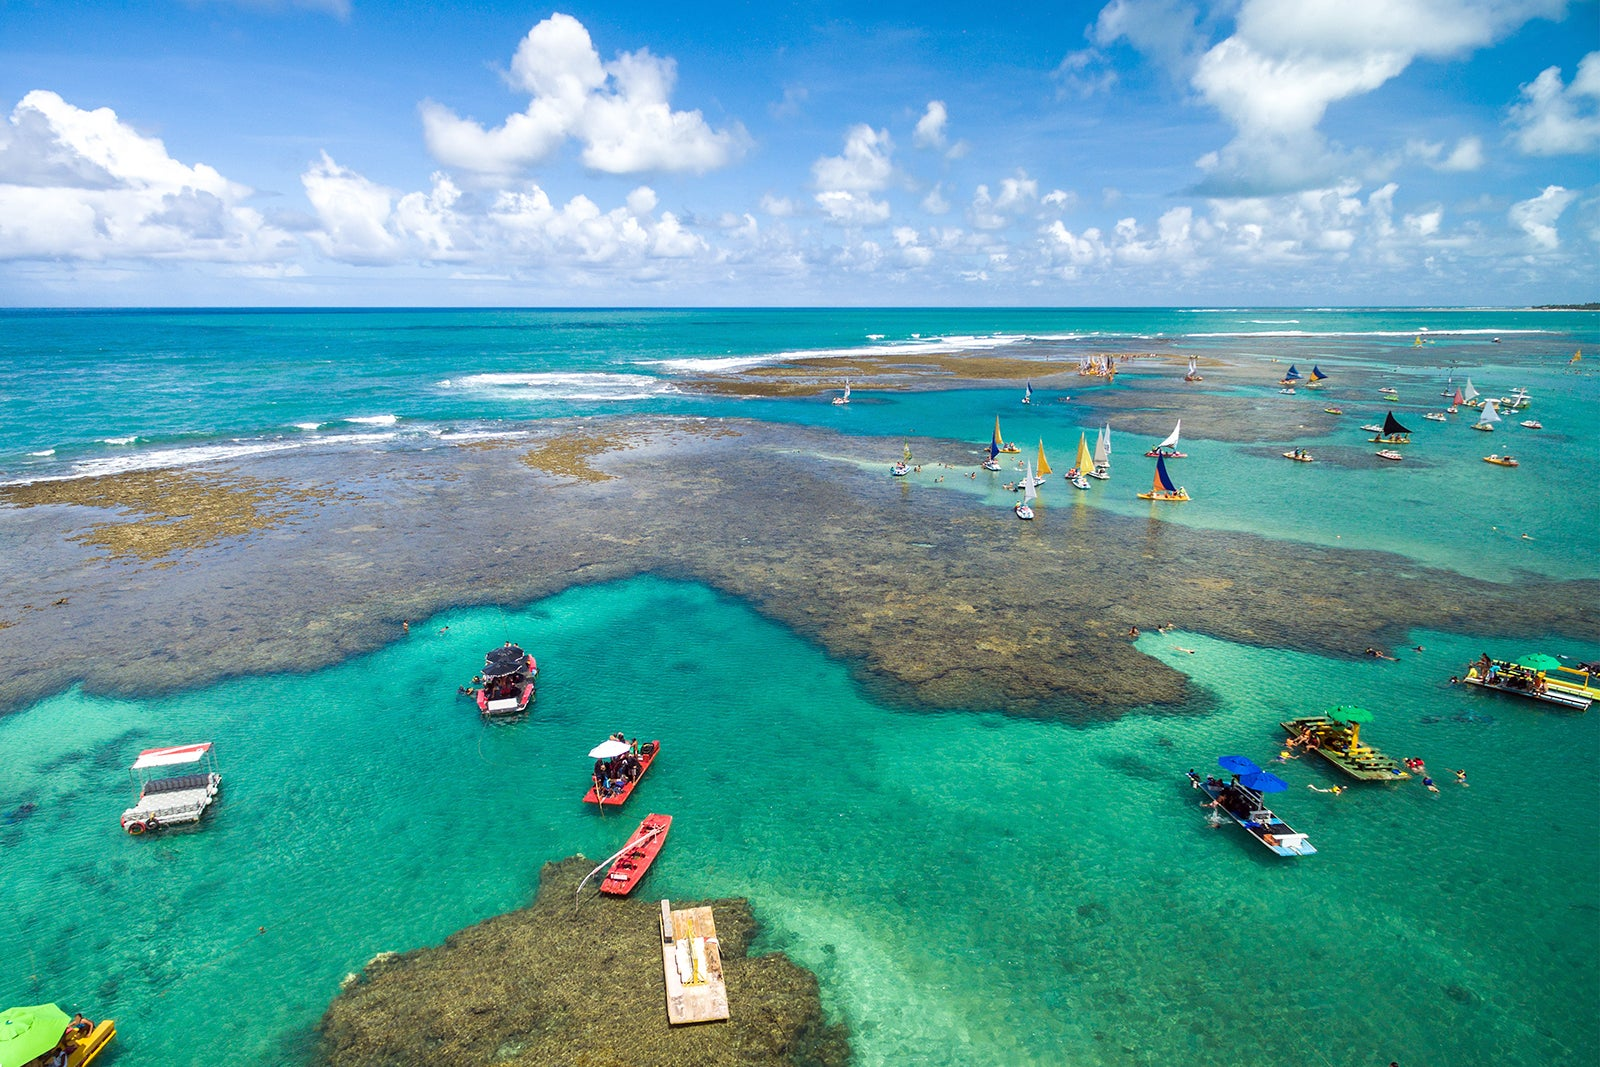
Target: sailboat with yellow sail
1083,464
1001,444
1043,466
1163,489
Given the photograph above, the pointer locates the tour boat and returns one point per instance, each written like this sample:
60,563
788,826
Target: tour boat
1168,448
1241,800
1388,453
1391,433
1338,737
508,678
1501,461
182,798
1562,686
647,755
845,399
636,856
1163,489
1299,455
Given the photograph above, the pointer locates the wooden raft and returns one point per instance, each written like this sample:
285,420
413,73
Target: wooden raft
692,960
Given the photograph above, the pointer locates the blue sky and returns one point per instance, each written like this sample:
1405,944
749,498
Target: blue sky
1160,152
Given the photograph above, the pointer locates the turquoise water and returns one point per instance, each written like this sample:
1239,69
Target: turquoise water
970,889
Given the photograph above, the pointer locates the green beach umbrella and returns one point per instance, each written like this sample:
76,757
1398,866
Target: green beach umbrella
1355,717
1539,662
29,1032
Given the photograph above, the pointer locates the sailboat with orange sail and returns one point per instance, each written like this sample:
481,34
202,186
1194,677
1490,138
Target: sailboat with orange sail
1163,489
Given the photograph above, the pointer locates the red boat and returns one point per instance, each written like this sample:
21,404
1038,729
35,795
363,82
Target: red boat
647,755
507,678
641,851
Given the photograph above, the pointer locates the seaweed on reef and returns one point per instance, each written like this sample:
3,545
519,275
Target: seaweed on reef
545,985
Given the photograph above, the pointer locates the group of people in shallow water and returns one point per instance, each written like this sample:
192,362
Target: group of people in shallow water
77,1030
611,776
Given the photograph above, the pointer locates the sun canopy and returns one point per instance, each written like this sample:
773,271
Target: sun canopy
29,1032
1238,764
167,757
508,659
1347,713
607,749
1539,662
1262,782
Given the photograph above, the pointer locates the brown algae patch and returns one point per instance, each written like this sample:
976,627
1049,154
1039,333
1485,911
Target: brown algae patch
543,985
570,455
169,511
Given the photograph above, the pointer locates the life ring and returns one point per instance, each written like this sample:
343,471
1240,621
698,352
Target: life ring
136,827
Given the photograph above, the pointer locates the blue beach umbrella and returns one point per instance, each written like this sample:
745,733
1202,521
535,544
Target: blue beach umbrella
1238,765
1263,782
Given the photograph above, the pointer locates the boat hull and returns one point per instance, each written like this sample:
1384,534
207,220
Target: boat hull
91,1047
1259,822
1365,764
629,868
1180,495
1523,685
647,756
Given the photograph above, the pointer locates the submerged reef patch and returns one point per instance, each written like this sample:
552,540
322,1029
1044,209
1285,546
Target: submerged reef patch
547,985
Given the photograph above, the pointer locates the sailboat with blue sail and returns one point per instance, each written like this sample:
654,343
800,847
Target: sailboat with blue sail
993,462
1163,489
1317,377
1027,397
1293,376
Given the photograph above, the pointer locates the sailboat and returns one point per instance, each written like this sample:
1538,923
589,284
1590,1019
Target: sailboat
1002,445
1392,433
1194,371
1169,447
1292,377
845,399
1488,418
1027,397
1317,377
1028,494
903,468
1469,395
1084,464
1456,402
1102,455
1418,342
1163,488
1044,464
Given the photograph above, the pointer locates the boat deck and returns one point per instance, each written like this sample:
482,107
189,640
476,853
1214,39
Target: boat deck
176,800
1261,824
647,756
1551,695
1366,763
692,962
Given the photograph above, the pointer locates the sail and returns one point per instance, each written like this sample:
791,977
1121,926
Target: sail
1172,438
994,445
1029,494
1085,461
1162,482
1316,373
1293,375
1102,447
1192,364
1391,425
847,388
1028,395
1489,416
1044,464
905,451
1458,399
1418,342
1469,393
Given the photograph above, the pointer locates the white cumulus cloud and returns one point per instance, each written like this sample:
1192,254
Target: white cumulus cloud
845,182
1554,119
930,127
619,111
1537,216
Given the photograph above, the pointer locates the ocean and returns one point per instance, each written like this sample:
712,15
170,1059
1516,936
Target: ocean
970,887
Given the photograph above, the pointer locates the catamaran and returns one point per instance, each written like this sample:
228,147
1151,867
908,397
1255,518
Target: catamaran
1391,433
1194,372
1102,455
845,399
1163,489
1168,449
1029,494
1082,466
1487,418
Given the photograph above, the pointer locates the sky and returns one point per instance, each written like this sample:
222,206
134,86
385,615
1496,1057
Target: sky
1136,153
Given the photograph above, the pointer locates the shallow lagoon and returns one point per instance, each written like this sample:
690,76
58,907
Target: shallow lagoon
970,888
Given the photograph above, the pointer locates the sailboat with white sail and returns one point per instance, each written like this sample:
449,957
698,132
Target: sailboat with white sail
1029,494
1168,448
1193,374
845,399
1469,396
1102,455
1488,417
903,468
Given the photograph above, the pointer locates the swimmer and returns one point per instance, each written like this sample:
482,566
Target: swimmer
1429,783
444,629
405,625
1335,790
1194,779
1180,648
1133,631
1284,756
1461,776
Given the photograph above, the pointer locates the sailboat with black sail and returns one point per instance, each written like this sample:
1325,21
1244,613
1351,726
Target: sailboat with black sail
1392,433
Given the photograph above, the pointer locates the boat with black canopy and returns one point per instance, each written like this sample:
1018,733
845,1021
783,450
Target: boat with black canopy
1392,432
508,679
1241,800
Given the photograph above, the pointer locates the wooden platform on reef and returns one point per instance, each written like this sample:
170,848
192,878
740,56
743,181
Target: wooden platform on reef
695,990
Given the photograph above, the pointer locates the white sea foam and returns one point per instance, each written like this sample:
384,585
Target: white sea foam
130,439
375,420
562,386
46,452
1275,322
1363,333
308,425
920,347
160,458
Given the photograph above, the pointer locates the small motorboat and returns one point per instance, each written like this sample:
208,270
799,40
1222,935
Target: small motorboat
1289,390
1501,461
1334,410
507,678
1077,479
614,792
636,856
165,800
1373,427
1299,455
1436,416
1023,511
1531,424
990,465
1388,453
1241,800
900,470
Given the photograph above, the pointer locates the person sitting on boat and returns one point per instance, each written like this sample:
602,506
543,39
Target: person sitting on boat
1194,779
80,1027
600,776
